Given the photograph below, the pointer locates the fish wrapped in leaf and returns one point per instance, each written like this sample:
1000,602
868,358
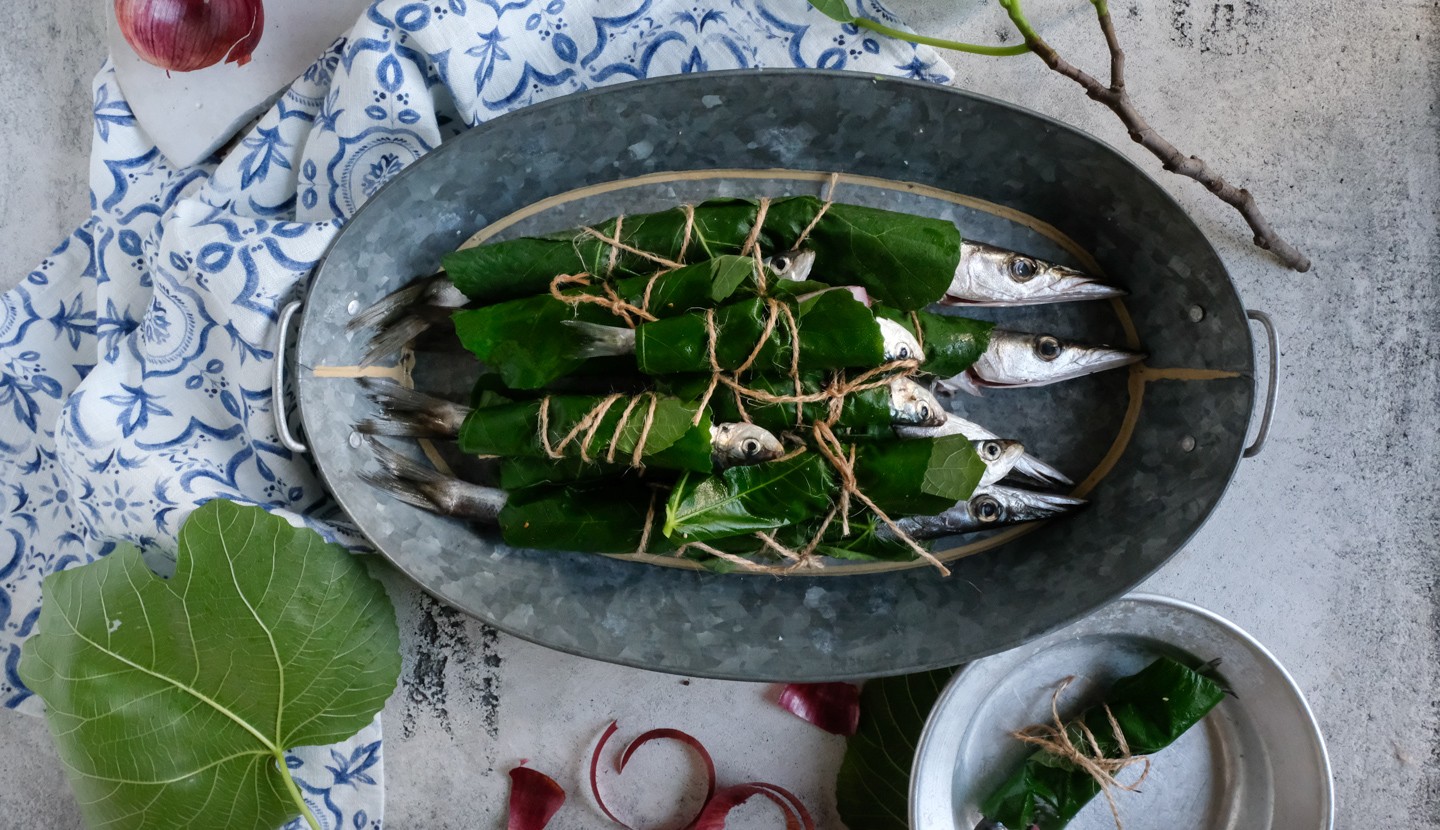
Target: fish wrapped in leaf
897,476
897,401
1152,708
830,330
951,344
904,261
661,429
525,342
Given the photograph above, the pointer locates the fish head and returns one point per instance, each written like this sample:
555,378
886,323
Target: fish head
740,444
988,275
900,344
792,265
1000,456
1015,359
996,506
913,405
953,425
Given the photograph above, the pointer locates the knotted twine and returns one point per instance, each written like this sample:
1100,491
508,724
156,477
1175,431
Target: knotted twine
834,394
1054,739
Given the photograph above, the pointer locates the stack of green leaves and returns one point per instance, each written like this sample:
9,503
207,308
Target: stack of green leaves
670,337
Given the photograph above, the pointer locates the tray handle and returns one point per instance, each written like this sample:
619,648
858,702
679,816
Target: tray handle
277,386
1272,385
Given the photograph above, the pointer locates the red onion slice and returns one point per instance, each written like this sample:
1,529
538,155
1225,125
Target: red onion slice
653,735
717,805
595,774
834,707
718,810
534,799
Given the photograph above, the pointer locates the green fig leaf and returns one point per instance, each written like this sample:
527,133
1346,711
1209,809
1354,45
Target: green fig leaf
873,788
834,9
172,702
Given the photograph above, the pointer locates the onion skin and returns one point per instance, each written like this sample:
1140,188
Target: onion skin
185,35
535,798
834,707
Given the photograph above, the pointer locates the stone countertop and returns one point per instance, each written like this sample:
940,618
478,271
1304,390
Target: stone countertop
1324,548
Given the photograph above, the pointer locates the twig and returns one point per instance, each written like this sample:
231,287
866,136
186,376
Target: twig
1118,100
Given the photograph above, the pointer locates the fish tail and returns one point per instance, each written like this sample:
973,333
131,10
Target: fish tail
603,341
393,337
436,290
417,485
410,414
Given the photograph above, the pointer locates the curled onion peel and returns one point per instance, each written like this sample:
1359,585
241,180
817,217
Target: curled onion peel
534,799
718,809
185,35
834,707
717,805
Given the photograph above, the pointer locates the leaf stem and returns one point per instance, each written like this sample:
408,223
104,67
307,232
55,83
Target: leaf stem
295,792
954,45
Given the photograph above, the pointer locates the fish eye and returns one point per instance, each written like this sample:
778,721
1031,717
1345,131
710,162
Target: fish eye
780,263
750,448
924,412
903,352
986,509
991,450
1022,269
1047,348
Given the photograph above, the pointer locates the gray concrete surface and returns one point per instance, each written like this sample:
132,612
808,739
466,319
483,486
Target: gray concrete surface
1325,547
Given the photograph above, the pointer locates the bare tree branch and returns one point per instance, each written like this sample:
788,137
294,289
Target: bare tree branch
1118,100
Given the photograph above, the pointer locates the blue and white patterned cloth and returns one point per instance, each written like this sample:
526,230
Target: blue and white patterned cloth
135,361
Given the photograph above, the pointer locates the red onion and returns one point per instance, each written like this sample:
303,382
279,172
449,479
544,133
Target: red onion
184,35
718,809
534,799
652,735
834,707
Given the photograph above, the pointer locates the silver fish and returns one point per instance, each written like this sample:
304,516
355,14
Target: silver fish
991,276
792,265
423,487
406,313
412,414
900,344
1017,359
913,405
602,341
1027,465
612,341
741,444
1000,456
989,508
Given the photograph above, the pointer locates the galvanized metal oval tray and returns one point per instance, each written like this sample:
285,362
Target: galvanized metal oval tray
1152,449
1256,762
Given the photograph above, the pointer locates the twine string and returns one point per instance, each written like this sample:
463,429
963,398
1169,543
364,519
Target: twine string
1054,738
588,426
834,394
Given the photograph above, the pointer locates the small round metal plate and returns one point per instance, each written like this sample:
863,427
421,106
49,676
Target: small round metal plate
1256,762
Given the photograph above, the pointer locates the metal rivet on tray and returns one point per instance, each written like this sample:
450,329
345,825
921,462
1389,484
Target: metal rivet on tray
355,440
1187,443
1197,313
353,307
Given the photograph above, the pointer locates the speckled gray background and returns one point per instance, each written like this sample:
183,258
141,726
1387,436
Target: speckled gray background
1324,547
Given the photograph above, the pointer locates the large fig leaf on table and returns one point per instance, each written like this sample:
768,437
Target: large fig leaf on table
872,791
172,701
